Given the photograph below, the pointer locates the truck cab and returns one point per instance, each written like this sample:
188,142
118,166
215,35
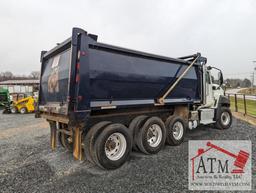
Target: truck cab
216,106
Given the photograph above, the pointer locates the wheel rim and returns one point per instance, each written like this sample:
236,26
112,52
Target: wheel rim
178,130
225,118
22,111
154,135
13,110
115,146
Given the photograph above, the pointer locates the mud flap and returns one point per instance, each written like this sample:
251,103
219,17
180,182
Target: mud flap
77,145
53,134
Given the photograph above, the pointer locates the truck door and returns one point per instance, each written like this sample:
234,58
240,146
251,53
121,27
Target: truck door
208,90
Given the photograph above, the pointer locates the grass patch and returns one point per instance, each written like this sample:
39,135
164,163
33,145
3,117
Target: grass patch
250,105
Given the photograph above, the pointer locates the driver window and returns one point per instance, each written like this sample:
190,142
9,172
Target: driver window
215,76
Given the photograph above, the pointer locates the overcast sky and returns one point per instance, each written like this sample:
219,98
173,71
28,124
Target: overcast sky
222,30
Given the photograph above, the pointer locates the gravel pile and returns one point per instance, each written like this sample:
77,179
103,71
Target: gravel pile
28,165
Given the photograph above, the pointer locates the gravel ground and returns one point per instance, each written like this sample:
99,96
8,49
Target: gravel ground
28,165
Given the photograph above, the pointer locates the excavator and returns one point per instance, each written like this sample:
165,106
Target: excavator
23,105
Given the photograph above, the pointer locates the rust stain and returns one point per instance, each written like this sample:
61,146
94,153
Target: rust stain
77,152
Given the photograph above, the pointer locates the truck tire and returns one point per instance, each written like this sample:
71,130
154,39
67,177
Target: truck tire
134,127
112,146
23,110
224,119
176,129
65,141
90,138
151,136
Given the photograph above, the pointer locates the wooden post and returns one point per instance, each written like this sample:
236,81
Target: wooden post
236,109
245,109
77,148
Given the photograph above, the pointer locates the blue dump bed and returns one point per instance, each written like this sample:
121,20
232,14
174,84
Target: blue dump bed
81,75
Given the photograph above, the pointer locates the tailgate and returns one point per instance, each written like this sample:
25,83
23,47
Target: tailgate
54,84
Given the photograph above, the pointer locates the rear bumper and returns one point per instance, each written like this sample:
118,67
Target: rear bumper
54,117
54,108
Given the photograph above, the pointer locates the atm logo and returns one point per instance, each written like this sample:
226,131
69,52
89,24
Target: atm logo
219,165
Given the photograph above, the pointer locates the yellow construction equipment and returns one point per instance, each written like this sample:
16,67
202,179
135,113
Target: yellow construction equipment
25,105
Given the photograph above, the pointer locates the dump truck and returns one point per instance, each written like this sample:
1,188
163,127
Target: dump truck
103,101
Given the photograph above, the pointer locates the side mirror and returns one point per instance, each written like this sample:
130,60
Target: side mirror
220,76
209,67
